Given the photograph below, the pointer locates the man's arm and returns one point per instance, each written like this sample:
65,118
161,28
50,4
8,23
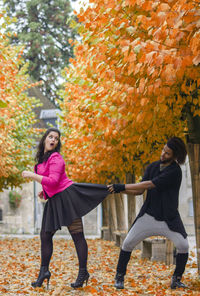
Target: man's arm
136,189
142,186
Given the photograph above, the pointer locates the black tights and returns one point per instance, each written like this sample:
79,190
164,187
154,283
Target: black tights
76,231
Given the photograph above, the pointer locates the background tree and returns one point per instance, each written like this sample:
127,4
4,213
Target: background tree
16,115
42,26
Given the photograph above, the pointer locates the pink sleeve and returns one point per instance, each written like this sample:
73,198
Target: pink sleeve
56,168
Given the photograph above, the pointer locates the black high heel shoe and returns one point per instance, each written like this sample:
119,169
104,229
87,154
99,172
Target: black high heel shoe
83,276
44,274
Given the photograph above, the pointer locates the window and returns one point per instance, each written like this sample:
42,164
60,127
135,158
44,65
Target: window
50,116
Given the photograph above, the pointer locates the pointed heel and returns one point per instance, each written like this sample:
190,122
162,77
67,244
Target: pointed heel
83,277
48,279
43,274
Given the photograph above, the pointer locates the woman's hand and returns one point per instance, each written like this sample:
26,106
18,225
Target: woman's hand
40,195
27,174
110,188
32,176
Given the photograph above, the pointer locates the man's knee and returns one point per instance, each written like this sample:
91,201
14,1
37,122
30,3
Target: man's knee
128,245
183,246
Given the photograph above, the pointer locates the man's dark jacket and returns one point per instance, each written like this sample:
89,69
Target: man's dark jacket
162,201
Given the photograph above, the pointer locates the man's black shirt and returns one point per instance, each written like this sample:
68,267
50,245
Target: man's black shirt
162,201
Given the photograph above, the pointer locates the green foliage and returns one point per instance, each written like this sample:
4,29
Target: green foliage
14,199
43,27
17,119
2,104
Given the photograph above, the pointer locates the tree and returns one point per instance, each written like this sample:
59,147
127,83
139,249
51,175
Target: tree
42,26
16,115
135,82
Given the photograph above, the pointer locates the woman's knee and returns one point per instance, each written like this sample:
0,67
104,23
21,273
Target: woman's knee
76,226
45,236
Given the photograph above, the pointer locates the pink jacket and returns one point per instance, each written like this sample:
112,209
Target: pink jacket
54,177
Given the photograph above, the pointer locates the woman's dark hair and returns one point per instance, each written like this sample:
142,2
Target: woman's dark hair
40,155
179,149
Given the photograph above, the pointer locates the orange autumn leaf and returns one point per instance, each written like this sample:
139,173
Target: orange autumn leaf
144,101
122,93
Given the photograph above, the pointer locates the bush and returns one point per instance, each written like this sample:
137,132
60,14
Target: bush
14,199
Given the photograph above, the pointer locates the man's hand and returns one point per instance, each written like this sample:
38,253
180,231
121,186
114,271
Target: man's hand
116,188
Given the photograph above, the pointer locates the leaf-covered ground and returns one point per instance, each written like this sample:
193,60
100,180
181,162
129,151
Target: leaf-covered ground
20,261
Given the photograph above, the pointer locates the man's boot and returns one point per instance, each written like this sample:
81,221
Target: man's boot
119,281
123,260
176,282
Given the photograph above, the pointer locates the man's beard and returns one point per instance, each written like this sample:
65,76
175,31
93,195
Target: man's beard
166,161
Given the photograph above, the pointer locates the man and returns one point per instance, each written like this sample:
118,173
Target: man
159,214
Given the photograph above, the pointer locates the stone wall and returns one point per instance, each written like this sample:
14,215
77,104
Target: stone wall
20,220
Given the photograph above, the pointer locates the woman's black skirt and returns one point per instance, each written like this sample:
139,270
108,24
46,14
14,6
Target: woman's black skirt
74,202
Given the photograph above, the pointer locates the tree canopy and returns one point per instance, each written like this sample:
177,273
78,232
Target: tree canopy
42,26
16,115
134,80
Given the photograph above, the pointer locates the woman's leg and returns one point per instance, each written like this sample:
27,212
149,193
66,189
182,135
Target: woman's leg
46,239
46,253
76,231
46,247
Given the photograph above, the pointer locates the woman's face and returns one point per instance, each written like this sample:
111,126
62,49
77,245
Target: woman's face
51,141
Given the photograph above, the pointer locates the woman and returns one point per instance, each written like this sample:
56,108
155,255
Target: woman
66,203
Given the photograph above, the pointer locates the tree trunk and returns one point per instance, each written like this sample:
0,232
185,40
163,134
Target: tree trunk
130,178
194,159
121,222
105,229
193,145
113,216
169,252
105,212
